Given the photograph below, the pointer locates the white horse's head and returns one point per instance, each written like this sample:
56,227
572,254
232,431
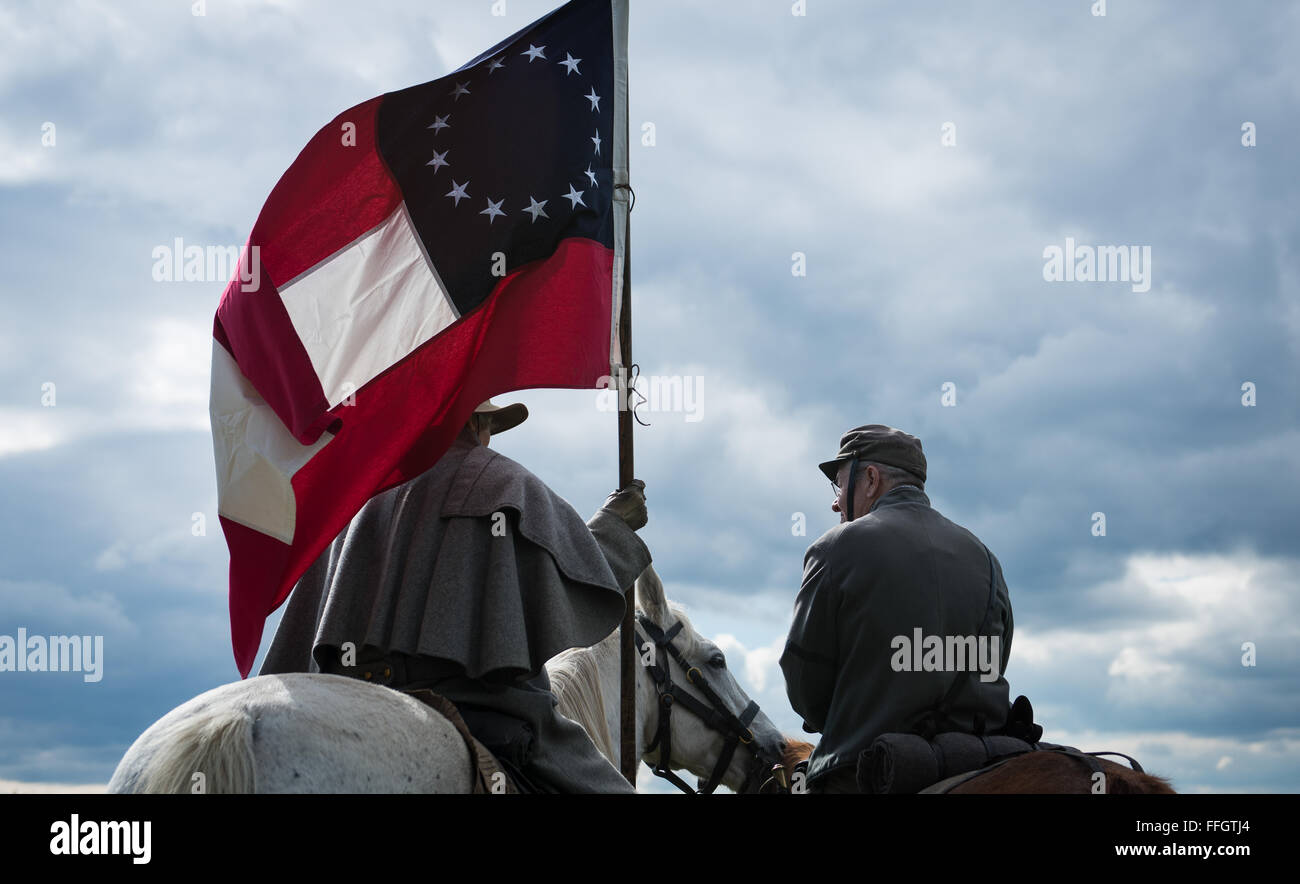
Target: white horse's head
716,717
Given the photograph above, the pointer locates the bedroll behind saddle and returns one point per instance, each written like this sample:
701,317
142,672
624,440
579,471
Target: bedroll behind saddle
906,763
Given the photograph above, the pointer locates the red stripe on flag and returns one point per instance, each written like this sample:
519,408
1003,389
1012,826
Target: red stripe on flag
255,328
336,190
541,327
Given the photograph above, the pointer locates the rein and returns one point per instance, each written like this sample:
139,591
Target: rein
715,715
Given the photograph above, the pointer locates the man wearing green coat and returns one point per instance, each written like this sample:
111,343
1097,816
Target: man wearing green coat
903,622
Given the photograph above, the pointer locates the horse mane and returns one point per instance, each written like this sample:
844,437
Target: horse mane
575,675
575,681
794,752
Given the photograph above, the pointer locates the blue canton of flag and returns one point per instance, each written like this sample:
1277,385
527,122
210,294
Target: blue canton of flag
511,153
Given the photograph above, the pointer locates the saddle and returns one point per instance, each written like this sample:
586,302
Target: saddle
488,774
943,787
498,745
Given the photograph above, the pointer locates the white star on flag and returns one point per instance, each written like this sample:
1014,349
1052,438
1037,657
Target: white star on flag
537,209
493,209
461,89
571,63
575,198
533,53
458,191
441,123
496,63
596,140
439,160
593,98
590,174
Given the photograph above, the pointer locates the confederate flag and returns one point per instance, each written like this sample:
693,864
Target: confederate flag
428,249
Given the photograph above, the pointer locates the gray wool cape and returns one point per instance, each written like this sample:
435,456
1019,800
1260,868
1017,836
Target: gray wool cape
901,567
425,568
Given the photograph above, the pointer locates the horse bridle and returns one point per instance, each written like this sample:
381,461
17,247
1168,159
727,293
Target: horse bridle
716,714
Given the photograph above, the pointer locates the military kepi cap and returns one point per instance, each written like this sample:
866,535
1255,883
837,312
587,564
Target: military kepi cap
881,444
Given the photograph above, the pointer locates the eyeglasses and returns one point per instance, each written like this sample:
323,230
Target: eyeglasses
835,485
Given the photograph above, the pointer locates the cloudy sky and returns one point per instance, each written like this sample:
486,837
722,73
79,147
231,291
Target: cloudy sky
921,157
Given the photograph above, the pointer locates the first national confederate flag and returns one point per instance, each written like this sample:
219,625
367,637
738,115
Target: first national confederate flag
428,249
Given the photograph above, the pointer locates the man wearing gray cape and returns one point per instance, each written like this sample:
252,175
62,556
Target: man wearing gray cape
466,580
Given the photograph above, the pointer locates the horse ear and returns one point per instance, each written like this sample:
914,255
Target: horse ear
650,595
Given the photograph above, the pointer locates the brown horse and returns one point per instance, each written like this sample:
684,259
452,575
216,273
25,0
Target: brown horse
1034,773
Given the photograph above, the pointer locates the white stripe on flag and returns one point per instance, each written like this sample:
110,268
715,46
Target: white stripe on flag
367,307
256,454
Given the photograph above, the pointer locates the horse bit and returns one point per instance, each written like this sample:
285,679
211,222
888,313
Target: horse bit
715,715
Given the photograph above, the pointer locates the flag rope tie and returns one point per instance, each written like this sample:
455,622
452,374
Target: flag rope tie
636,373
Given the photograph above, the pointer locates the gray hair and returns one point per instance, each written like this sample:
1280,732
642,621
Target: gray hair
893,475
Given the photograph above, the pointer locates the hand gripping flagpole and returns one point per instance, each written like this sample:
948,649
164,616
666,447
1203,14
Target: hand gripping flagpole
623,330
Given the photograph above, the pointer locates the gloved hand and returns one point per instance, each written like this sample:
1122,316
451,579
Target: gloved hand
629,504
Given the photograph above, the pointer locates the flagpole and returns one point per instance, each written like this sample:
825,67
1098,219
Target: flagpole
627,721
628,761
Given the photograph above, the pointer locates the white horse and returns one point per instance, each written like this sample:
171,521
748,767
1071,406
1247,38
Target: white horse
309,732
